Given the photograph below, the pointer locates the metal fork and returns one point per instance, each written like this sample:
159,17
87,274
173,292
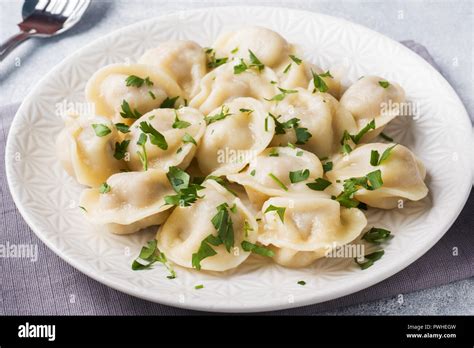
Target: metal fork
45,18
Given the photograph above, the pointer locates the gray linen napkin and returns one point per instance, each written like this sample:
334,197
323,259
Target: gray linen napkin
51,287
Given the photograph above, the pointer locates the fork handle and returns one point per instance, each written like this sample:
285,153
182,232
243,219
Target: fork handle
12,42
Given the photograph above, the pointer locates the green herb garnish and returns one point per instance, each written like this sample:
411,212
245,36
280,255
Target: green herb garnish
220,116
279,210
156,138
169,103
187,138
370,259
122,127
150,254
278,181
377,235
136,81
256,249
319,184
101,130
121,149
299,175
384,84
104,188
127,111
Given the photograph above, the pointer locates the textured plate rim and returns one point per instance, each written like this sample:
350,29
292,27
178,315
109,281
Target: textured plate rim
373,279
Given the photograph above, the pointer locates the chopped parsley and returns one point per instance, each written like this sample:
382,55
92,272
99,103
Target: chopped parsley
371,181
299,175
327,166
319,184
150,254
136,81
104,188
122,128
156,138
220,116
121,149
256,249
385,137
279,210
384,84
278,181
248,111
169,103
295,59
178,123
152,95
376,159
318,82
101,130
288,67
222,222
302,283
377,235
252,173
273,152
282,95
212,61
187,193
143,155
187,138
205,250
200,286
370,259
127,111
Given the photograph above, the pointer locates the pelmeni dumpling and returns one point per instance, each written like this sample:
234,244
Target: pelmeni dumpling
222,85
373,98
108,90
402,175
229,144
268,174
305,229
318,115
135,200
185,61
296,72
186,228
268,46
85,155
182,130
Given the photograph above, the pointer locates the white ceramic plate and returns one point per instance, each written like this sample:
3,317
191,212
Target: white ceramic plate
47,197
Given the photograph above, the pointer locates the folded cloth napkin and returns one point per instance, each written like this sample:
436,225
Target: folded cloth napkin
52,287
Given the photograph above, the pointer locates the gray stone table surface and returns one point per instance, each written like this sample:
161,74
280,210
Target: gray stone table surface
444,27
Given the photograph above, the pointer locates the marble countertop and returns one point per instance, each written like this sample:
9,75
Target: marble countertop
444,27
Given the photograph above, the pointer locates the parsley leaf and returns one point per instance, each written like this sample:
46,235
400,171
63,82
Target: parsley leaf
187,193
295,59
220,116
327,166
256,249
370,259
212,61
319,184
240,68
255,62
319,83
299,175
169,103
104,188
302,135
278,181
137,81
156,138
205,250
279,210
376,159
178,123
282,95
127,112
187,138
384,84
385,137
101,130
121,149
150,254
143,155
222,222
122,127
377,235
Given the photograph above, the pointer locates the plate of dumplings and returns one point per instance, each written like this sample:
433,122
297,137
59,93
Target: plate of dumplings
240,159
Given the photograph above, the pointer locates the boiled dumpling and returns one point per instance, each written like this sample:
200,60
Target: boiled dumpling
305,229
269,174
129,201
222,85
295,72
268,46
373,98
187,227
87,154
402,174
185,61
147,88
318,122
230,143
181,129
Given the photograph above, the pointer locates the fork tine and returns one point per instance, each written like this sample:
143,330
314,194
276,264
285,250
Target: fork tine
70,7
59,8
52,4
81,8
41,5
